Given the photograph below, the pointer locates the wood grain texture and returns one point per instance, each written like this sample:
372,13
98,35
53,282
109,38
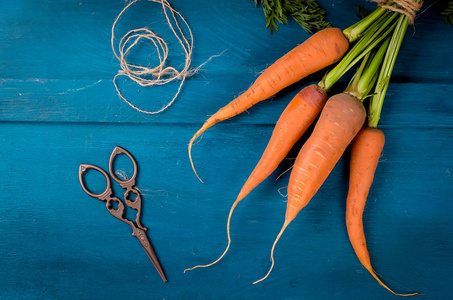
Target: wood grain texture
58,109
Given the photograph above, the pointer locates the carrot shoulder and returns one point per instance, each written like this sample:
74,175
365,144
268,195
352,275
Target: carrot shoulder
365,153
319,51
340,120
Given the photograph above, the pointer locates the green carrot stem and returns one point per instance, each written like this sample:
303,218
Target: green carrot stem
355,31
386,71
367,74
352,87
373,36
370,74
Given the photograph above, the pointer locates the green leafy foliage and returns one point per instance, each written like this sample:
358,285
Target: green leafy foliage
307,13
445,9
362,11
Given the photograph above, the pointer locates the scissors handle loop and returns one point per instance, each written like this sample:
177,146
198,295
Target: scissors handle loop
132,194
127,183
101,196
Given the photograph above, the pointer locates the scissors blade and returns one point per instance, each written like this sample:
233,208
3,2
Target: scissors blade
143,239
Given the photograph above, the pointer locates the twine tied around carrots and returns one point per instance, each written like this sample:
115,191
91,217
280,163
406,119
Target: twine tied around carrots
406,7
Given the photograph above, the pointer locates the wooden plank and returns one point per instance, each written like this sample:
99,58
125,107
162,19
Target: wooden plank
58,109
71,39
51,81
58,242
96,101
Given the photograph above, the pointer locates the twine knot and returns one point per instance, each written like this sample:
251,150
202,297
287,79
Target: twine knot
406,7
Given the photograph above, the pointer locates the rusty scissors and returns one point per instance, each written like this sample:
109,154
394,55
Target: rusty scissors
138,230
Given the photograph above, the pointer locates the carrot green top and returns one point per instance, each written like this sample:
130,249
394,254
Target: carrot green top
383,80
368,40
373,47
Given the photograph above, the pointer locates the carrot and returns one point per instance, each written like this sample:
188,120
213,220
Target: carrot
319,51
293,122
365,153
340,120
366,150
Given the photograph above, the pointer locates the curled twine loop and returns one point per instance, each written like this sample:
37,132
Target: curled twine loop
160,74
406,7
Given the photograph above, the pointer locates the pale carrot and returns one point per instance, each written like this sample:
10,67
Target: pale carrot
319,51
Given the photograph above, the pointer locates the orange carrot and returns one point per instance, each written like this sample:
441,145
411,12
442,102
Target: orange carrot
365,153
319,51
293,122
340,120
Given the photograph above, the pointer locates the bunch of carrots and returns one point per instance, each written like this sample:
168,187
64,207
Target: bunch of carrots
349,117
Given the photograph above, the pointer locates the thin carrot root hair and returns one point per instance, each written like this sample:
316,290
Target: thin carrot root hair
374,274
287,221
192,140
229,240
284,172
280,191
208,124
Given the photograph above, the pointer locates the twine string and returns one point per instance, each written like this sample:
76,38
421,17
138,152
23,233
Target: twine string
160,74
406,7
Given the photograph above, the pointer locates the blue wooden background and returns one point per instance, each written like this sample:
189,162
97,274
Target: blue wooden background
59,108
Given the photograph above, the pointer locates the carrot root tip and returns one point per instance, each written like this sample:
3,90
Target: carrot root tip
374,274
190,156
229,240
287,221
